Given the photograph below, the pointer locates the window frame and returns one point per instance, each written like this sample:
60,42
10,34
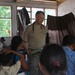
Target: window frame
30,12
10,18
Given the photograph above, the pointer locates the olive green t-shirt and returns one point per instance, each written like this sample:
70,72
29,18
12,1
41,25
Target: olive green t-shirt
35,38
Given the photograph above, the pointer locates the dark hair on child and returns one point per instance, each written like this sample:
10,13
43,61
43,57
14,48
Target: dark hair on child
53,58
2,38
15,42
5,59
68,40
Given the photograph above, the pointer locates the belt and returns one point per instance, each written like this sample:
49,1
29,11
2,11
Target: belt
23,73
36,50
20,71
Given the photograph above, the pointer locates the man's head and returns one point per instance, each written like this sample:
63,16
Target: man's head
39,17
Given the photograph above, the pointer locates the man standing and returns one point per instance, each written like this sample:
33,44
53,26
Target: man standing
35,36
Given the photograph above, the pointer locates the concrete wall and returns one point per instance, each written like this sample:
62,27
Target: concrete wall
66,7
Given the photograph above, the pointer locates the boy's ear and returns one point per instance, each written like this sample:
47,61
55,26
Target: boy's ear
73,46
43,70
40,66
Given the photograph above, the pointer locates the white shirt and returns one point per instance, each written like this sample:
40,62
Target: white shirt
10,70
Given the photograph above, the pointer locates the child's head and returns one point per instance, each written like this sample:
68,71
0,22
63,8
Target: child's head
68,40
15,42
2,39
5,59
53,60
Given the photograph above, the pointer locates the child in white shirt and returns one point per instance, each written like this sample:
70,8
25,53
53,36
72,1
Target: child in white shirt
6,59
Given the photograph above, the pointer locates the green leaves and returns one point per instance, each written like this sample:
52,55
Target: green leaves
5,20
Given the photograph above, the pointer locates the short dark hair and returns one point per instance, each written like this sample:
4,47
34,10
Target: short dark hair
2,38
5,58
15,42
53,58
68,40
39,12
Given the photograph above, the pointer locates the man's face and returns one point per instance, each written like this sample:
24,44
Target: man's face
39,18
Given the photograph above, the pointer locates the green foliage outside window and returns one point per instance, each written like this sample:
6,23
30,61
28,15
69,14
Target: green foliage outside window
5,21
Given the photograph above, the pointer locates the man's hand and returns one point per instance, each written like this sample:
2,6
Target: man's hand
29,52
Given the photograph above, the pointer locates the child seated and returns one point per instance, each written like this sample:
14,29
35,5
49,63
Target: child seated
6,59
53,60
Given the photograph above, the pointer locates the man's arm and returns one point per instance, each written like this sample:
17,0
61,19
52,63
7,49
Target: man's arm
25,46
